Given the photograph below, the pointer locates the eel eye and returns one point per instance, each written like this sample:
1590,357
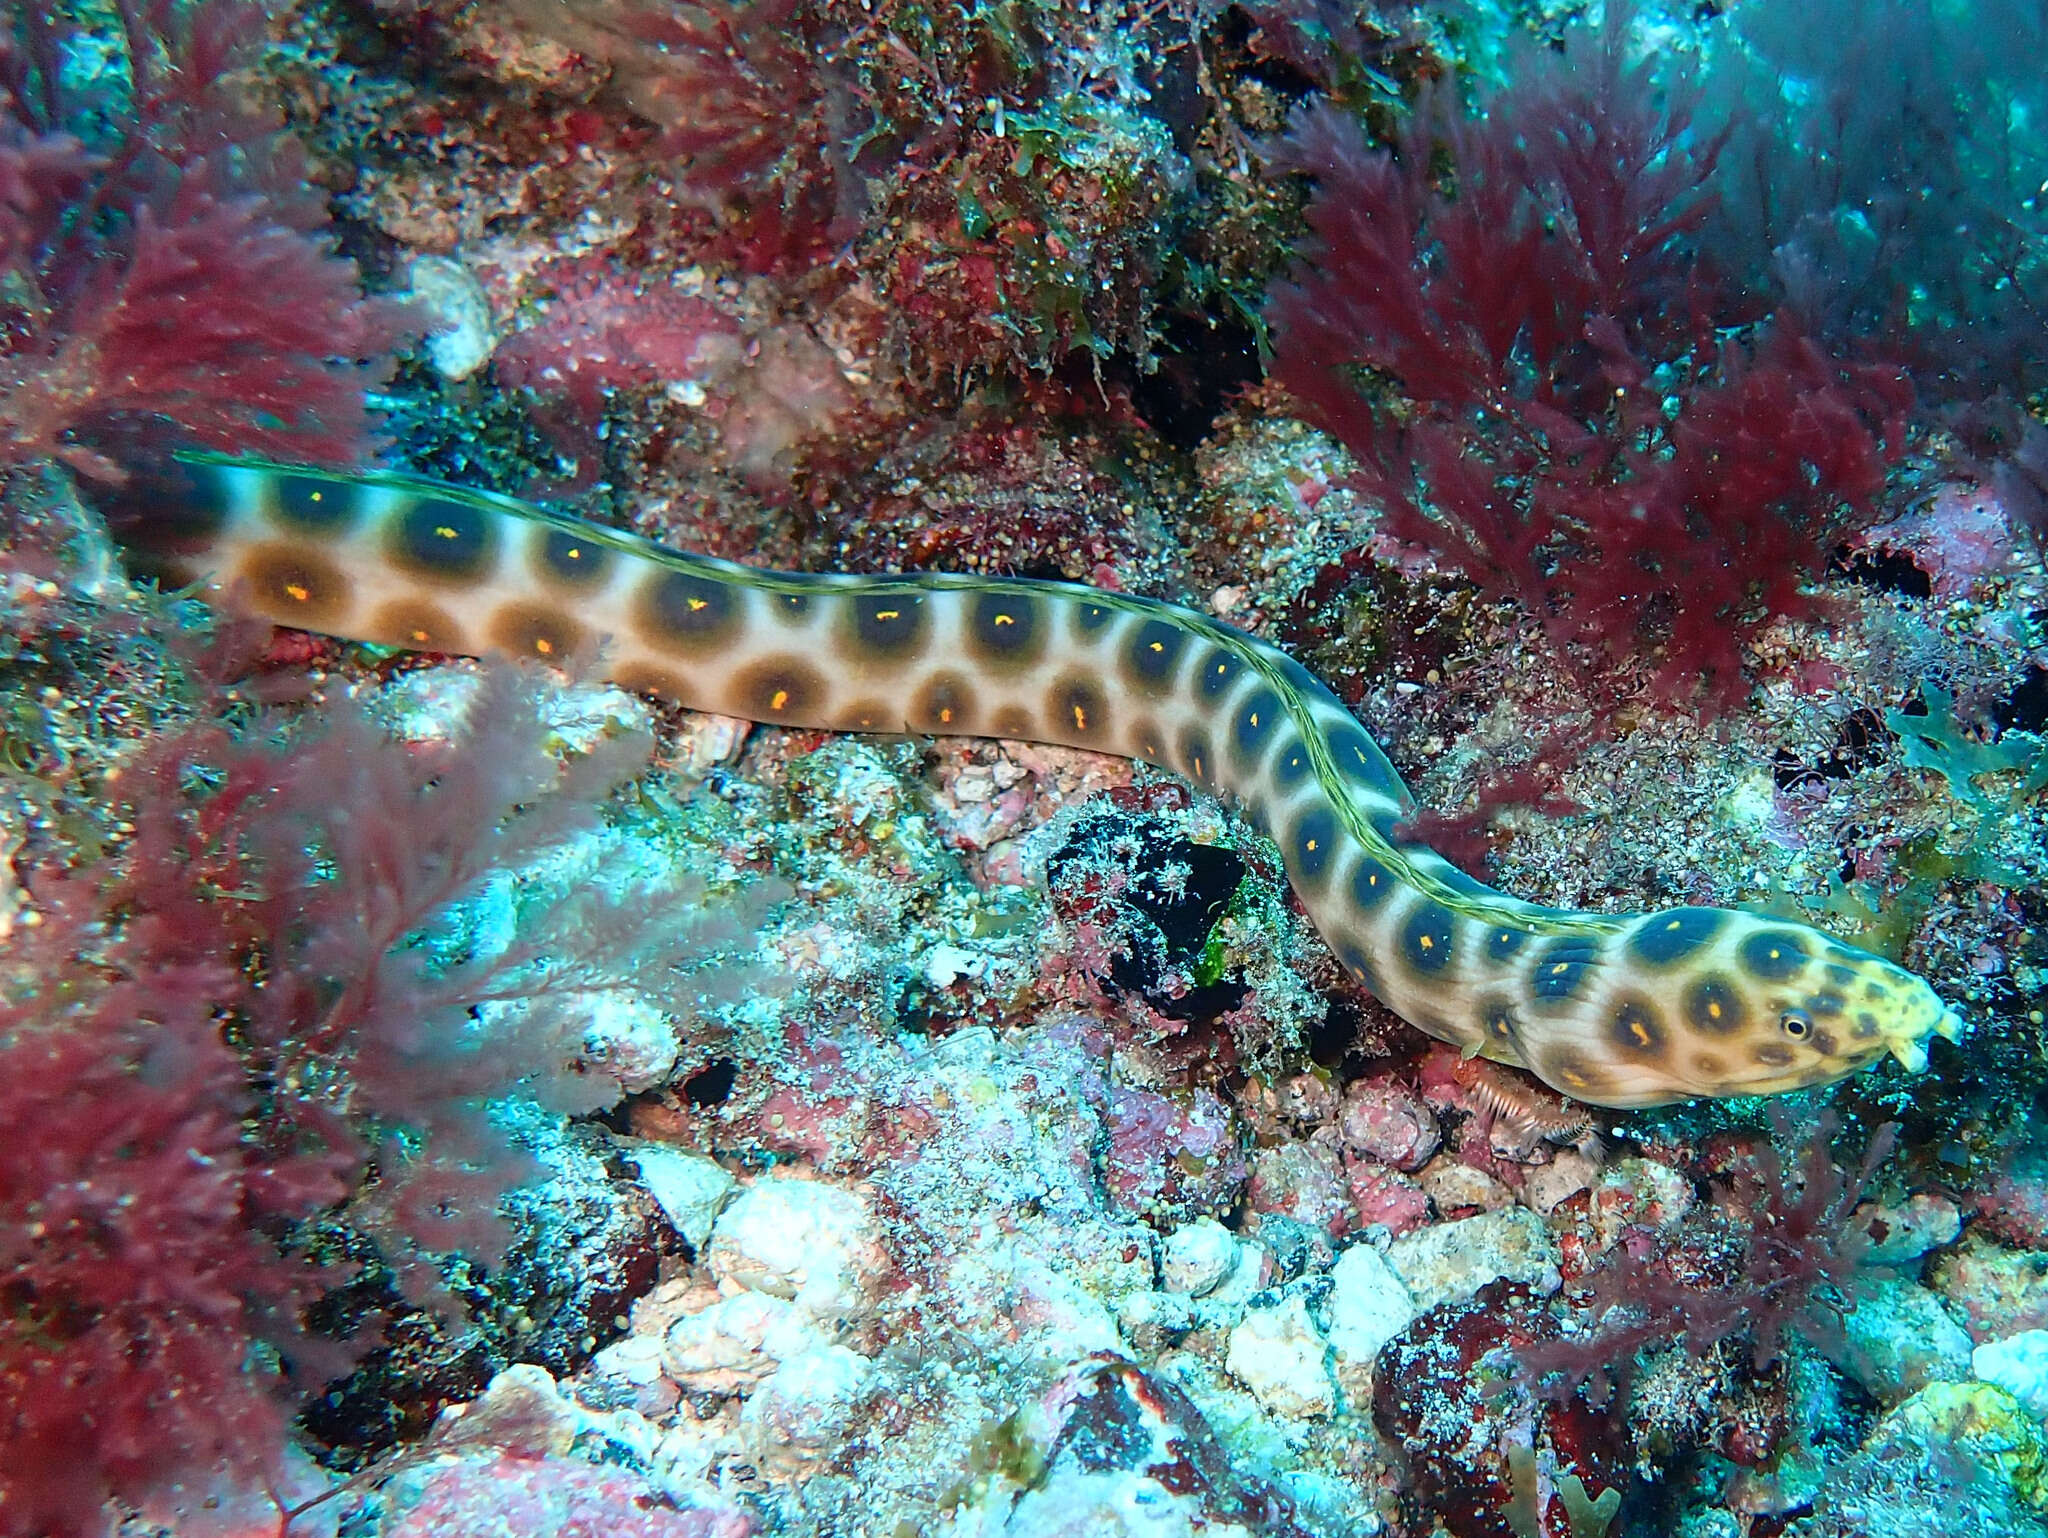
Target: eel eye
1795,1024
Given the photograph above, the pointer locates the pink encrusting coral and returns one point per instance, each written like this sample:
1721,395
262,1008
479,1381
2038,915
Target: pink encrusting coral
602,333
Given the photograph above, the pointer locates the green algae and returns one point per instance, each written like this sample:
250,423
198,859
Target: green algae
1938,741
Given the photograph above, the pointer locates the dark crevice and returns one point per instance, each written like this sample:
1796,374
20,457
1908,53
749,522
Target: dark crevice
712,1084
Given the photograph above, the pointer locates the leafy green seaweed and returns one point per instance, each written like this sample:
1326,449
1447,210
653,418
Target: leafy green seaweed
1938,741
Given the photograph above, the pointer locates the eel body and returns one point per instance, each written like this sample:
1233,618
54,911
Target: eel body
1616,1009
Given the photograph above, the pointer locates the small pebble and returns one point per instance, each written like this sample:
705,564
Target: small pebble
1277,1353
1369,1305
1451,1261
1197,1256
690,1188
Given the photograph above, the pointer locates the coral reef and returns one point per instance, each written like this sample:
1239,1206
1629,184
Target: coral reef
444,1099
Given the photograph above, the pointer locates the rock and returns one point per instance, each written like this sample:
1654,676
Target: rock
1172,1158
596,1242
2013,1205
1384,1198
1296,1247
2019,1365
1060,1320
2001,1291
1197,1256
489,1496
1637,1193
636,1360
519,1412
666,1302
461,337
690,1188
1437,1397
704,741
946,963
1963,535
1458,1188
1905,1231
1899,1339
1250,1274
1153,1321
630,1039
1304,1101
1115,1452
1547,1186
1954,1458
1369,1306
807,1407
625,1043
1381,1120
1302,1181
736,1342
816,1244
1451,1261
1278,1353
1985,1425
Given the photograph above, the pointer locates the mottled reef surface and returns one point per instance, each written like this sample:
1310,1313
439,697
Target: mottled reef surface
445,1098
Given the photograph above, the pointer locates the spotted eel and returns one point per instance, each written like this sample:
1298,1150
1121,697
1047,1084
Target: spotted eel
1615,1009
